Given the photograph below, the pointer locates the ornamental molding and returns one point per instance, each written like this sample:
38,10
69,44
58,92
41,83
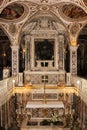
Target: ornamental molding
43,26
33,6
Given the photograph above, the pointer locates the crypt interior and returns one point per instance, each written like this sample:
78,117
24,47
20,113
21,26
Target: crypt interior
43,65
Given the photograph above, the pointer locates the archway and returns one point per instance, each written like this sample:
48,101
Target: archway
5,52
82,53
46,25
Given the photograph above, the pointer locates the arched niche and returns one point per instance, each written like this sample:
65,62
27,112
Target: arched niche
82,52
44,43
5,52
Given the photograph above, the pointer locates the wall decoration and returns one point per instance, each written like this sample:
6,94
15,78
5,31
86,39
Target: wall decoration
49,96
12,28
74,29
14,58
73,11
12,11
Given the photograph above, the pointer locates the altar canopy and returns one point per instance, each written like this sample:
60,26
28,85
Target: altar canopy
58,104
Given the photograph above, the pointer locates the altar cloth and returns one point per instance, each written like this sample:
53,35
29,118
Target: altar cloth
57,104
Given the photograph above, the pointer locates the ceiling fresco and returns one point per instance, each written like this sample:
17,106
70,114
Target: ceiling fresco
85,1
1,1
12,11
73,12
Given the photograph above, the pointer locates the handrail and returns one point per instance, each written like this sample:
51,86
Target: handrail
81,85
6,89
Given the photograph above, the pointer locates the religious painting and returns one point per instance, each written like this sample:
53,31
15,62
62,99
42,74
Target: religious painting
12,11
73,12
85,2
44,49
1,1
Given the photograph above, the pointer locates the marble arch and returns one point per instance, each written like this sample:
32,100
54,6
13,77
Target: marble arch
39,29
32,8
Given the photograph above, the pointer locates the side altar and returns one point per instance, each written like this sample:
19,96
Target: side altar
44,53
35,125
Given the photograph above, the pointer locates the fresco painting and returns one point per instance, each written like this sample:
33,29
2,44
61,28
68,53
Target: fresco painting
1,1
73,11
85,2
13,11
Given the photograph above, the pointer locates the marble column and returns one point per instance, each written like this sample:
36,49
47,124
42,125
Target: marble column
8,109
68,79
1,116
32,54
15,60
73,60
61,52
56,53
6,116
84,113
27,52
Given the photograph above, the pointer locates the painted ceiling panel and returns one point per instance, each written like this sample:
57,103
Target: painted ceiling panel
73,11
1,1
12,11
85,1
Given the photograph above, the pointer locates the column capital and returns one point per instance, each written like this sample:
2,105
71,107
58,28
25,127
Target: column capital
15,47
73,48
61,38
27,38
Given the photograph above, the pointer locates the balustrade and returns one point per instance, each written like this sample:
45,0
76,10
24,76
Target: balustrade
44,63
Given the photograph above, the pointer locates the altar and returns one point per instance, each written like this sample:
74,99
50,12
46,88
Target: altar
44,110
57,104
37,126
44,55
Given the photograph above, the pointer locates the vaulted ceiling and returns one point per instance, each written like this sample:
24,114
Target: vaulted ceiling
66,10
17,14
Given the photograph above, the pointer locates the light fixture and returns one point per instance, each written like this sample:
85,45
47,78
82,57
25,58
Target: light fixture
4,54
78,82
13,81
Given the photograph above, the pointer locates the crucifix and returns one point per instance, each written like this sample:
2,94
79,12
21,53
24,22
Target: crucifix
44,80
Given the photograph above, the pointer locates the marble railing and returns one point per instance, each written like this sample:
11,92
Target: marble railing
44,63
6,89
81,86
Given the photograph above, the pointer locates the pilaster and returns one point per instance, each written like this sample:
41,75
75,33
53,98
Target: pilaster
27,52
32,56
15,60
1,116
61,52
56,53
73,60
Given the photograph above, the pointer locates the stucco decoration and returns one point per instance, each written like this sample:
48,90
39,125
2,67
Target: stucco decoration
42,1
74,28
73,12
12,11
12,28
44,8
